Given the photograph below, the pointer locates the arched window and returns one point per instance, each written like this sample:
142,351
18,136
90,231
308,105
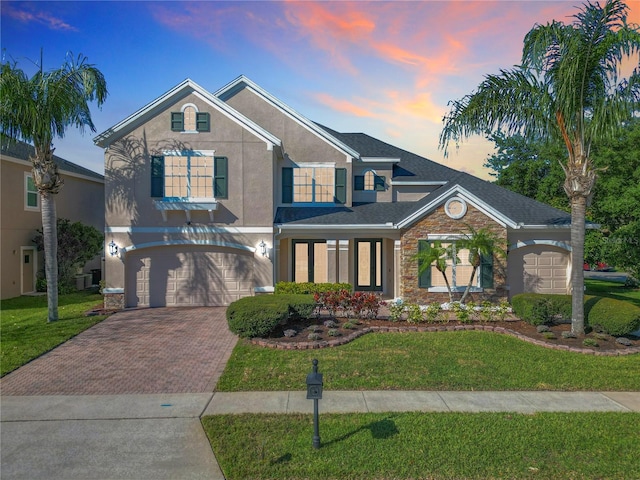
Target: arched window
369,180
189,113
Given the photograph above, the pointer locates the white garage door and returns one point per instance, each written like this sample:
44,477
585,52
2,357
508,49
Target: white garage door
546,271
187,276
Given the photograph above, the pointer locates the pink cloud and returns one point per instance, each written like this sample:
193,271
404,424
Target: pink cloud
40,17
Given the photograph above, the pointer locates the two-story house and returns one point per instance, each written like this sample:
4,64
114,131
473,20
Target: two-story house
214,196
81,199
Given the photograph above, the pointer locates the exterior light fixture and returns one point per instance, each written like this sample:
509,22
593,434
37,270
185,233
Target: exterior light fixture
263,248
113,248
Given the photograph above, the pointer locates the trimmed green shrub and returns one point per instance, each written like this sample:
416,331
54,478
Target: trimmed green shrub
283,288
256,316
300,306
540,309
614,317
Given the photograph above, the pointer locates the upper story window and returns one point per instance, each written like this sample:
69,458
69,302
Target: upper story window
31,195
316,183
190,120
189,175
369,181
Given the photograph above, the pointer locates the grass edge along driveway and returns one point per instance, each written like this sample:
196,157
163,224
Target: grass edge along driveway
25,333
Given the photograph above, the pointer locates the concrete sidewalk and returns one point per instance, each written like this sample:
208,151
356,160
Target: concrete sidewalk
159,436
408,401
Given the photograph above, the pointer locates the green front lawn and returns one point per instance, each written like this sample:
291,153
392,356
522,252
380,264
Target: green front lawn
617,290
464,360
25,333
428,446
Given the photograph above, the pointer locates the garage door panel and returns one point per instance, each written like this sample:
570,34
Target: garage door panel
188,276
545,271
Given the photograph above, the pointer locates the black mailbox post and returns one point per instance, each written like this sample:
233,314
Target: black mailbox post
314,392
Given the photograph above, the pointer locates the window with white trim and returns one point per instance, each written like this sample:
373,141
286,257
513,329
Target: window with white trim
308,184
458,272
190,120
189,174
370,181
31,195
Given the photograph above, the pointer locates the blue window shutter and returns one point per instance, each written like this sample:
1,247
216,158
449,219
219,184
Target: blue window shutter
486,271
358,182
221,177
177,122
202,121
287,185
341,185
157,176
424,279
378,183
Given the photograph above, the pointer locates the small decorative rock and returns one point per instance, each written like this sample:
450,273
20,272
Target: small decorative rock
624,341
542,328
290,333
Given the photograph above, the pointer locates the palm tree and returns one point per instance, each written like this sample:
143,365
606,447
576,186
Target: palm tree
568,87
483,245
437,255
36,110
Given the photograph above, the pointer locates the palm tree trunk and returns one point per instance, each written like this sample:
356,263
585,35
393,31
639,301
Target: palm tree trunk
468,289
446,281
50,239
578,210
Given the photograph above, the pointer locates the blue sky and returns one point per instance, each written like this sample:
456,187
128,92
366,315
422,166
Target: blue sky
383,68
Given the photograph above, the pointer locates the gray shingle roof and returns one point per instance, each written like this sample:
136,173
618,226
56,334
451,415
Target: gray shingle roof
23,151
517,208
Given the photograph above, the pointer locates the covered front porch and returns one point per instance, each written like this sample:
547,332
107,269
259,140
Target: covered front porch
368,260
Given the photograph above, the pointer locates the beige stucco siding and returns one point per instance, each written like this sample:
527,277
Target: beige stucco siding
80,199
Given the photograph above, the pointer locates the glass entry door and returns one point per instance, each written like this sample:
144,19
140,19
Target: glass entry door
369,264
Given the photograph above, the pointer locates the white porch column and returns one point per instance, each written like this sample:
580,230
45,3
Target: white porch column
332,261
397,267
343,261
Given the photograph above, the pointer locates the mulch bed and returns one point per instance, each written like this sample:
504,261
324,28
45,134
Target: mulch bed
515,327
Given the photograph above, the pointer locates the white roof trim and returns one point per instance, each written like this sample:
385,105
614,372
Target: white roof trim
104,139
422,183
379,160
63,172
466,195
290,112
357,226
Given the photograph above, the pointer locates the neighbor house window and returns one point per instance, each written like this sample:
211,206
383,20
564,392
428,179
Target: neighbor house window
458,273
310,262
189,175
369,181
314,184
189,119
31,195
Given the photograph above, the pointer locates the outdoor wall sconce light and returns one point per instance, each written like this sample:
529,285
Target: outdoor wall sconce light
263,248
113,248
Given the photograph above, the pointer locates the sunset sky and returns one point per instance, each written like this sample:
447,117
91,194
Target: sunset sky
387,69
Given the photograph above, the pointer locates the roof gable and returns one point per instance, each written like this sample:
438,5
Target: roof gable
242,82
181,90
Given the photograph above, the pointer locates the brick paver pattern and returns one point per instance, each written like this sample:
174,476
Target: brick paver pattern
156,350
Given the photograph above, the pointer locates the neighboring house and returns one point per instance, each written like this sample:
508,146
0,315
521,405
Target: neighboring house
214,196
80,199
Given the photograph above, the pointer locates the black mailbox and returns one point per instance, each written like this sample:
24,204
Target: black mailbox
314,383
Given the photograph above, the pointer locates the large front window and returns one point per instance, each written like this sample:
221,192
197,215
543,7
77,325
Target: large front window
313,184
310,262
458,269
189,175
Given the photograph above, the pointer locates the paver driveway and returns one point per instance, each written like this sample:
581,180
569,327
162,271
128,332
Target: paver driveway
155,350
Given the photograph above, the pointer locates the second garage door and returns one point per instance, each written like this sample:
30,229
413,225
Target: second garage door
187,276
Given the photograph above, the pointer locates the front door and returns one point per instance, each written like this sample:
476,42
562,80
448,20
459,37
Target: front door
28,270
369,264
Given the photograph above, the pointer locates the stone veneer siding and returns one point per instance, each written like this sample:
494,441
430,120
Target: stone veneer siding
439,223
114,301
